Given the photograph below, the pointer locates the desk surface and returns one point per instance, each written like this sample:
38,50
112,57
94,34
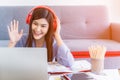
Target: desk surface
115,75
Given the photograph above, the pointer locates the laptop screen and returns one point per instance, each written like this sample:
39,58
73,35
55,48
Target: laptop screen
23,64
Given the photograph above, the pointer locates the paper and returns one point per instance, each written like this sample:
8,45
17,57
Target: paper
81,65
55,77
54,67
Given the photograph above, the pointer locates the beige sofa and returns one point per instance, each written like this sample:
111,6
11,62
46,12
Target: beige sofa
83,26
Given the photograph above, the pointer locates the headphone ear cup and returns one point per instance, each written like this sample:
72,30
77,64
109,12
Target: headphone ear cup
54,25
28,19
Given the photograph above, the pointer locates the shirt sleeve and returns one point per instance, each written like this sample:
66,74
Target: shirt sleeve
63,55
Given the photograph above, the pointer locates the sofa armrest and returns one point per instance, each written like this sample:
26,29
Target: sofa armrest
115,31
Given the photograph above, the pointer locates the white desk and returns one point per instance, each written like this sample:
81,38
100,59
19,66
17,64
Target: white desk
111,74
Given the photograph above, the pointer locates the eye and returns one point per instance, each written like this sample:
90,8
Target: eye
43,25
35,23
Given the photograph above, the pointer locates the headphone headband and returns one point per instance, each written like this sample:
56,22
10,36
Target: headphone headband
45,7
28,18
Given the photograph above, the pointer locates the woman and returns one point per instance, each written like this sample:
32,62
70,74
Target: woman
44,31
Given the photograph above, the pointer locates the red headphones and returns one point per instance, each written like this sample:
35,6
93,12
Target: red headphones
30,15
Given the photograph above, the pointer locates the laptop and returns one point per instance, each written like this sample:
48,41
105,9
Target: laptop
23,64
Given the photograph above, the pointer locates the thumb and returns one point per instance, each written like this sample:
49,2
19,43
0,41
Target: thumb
21,33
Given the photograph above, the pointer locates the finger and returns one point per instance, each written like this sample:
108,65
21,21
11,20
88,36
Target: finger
11,26
9,32
14,24
17,23
8,29
21,33
58,20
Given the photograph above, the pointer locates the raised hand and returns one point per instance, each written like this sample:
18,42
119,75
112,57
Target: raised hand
14,35
57,32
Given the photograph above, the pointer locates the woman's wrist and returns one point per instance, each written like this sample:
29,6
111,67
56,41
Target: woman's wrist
12,44
58,40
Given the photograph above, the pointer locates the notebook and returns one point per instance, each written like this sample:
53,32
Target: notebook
23,64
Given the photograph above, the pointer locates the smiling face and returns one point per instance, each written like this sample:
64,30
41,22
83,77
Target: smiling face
39,28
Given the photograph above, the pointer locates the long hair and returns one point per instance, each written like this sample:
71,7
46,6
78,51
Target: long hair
37,14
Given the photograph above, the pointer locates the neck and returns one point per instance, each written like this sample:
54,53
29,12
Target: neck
40,42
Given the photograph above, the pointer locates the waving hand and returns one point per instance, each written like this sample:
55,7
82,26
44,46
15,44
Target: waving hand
14,35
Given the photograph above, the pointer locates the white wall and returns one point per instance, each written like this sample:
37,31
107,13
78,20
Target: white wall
52,2
115,10
112,4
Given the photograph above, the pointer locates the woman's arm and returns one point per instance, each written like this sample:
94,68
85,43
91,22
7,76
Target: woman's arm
63,53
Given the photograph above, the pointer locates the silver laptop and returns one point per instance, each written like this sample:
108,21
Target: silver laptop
23,64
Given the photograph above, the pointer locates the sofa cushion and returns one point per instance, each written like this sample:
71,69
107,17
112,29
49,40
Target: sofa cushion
83,44
79,47
85,22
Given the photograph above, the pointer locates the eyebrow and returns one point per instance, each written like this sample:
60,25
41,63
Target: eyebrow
43,24
37,22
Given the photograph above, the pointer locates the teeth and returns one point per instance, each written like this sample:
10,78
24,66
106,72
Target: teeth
38,33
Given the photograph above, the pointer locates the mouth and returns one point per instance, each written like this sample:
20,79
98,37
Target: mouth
38,33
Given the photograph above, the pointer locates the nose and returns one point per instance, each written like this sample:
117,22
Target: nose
38,28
